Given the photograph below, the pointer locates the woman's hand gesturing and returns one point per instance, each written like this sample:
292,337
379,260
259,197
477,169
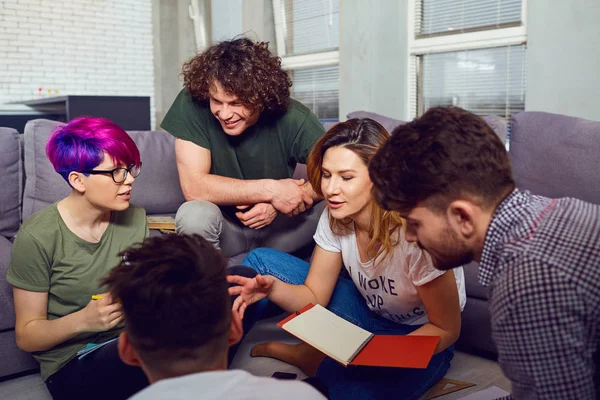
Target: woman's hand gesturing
250,290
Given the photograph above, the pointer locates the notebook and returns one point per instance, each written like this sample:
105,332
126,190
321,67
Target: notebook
351,345
91,347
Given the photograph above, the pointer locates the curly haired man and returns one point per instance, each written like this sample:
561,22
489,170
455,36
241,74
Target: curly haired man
239,136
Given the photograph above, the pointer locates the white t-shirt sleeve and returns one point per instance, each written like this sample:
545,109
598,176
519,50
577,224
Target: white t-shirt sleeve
420,265
324,237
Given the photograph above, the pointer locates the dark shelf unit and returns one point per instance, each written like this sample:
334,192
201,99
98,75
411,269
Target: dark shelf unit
130,112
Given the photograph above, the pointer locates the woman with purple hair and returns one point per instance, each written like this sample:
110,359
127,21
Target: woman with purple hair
63,250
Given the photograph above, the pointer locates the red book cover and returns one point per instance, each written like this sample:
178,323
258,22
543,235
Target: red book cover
388,350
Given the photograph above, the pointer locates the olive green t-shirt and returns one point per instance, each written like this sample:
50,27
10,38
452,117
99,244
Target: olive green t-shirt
269,149
48,257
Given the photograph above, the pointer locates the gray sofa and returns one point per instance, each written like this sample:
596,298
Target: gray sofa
552,155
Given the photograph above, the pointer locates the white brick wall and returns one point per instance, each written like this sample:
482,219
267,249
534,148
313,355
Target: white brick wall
83,47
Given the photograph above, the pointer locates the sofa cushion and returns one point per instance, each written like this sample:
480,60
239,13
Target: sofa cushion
43,185
11,182
388,123
157,188
498,124
476,329
473,288
16,361
556,156
7,311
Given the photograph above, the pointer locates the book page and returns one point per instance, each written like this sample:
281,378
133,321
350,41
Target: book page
334,336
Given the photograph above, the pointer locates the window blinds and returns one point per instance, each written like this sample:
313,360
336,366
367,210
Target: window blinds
484,81
310,26
318,89
443,17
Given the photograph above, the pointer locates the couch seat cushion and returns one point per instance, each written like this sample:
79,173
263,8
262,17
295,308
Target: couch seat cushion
7,310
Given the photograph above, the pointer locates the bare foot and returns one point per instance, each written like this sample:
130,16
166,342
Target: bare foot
302,355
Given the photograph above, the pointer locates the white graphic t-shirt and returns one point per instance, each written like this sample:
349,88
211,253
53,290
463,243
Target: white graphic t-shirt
389,286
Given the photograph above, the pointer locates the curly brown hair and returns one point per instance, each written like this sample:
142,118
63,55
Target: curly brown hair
243,68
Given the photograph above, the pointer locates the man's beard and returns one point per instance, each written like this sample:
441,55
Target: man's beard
454,253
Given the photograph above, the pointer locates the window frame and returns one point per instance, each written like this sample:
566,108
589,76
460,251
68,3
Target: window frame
293,62
308,60
472,40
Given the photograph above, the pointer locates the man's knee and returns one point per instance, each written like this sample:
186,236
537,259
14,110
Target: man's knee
200,217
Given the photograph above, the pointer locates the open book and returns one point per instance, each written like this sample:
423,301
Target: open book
351,345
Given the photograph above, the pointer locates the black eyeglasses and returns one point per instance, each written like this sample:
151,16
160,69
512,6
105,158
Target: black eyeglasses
119,175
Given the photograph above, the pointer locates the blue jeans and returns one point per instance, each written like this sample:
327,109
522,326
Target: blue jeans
347,302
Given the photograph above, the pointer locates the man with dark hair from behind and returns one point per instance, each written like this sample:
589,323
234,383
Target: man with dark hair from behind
449,175
179,323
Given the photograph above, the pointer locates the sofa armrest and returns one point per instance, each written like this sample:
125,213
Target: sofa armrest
14,360
7,311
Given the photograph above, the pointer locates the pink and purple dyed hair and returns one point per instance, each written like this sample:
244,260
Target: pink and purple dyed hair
80,145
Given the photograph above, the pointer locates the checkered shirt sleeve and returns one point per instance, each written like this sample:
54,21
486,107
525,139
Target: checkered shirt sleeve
540,327
541,258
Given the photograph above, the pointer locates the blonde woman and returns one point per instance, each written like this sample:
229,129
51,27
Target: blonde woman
393,286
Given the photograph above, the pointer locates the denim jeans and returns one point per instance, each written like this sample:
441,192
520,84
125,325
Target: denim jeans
355,382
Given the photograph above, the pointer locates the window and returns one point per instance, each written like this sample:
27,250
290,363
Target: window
468,53
317,88
307,34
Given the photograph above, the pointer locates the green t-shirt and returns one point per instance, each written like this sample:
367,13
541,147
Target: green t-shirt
268,149
48,257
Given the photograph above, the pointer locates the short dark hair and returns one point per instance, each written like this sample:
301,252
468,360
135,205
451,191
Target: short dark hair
175,300
446,154
243,68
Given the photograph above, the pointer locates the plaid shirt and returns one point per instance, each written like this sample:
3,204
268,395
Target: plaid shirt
541,259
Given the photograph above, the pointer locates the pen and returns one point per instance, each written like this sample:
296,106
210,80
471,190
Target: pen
96,297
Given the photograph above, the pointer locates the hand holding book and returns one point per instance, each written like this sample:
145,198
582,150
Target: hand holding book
351,345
